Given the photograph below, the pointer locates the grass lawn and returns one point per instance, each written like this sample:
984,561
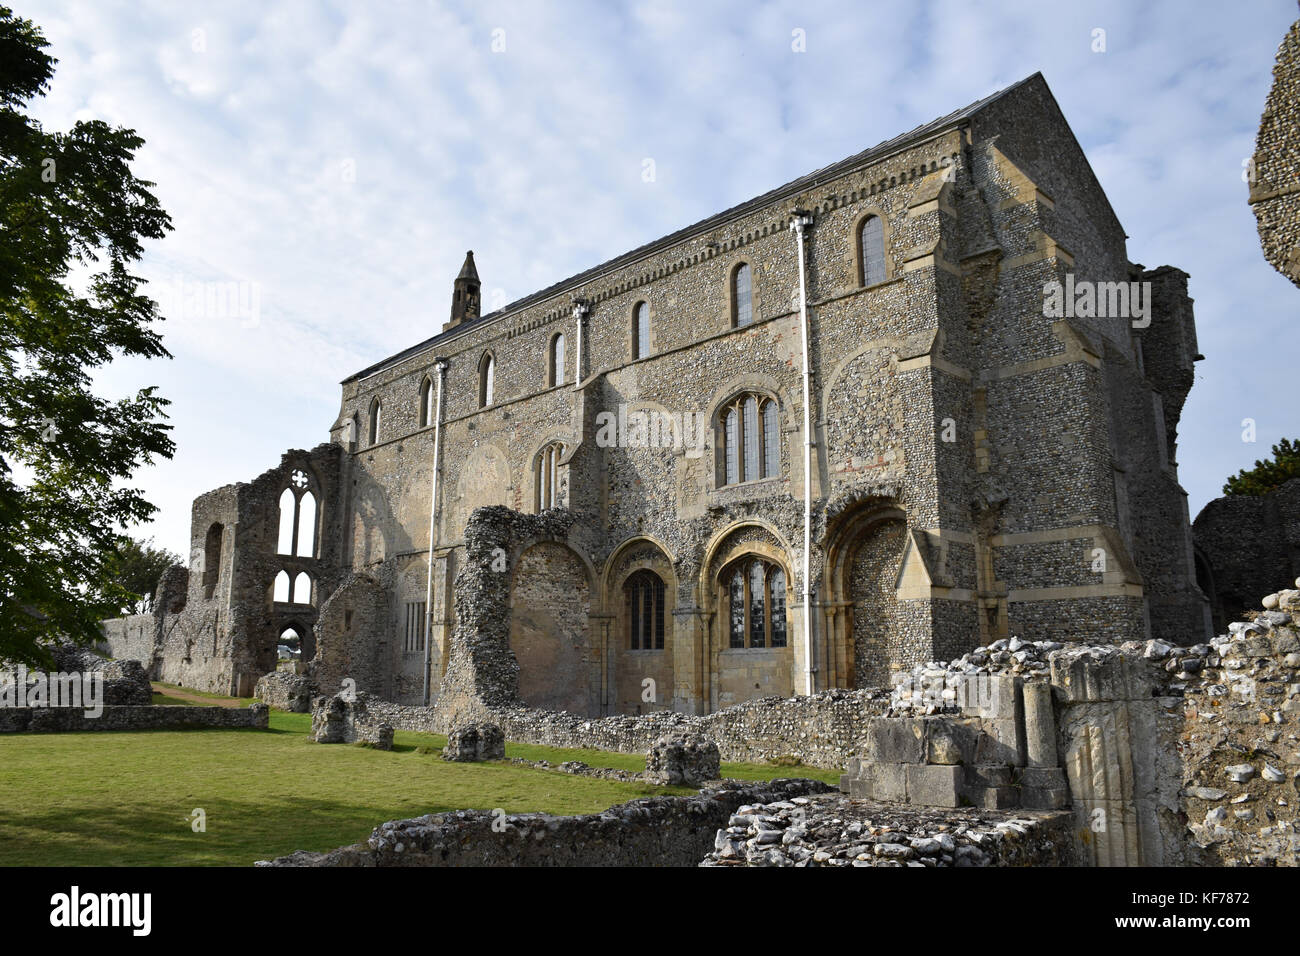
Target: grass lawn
124,798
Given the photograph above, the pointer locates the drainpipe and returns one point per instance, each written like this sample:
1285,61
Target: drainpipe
799,221
440,369
580,310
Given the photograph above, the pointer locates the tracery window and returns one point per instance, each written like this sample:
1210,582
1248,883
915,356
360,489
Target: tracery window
546,467
755,591
643,600
751,443
297,518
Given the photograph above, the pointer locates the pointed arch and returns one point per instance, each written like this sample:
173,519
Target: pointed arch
306,545
280,590
302,588
287,506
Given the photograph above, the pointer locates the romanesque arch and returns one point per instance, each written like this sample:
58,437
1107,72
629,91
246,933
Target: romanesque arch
639,596
484,480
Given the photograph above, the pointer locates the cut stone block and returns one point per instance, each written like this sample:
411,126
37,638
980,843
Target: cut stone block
934,786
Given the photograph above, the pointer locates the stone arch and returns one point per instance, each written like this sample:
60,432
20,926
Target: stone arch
628,668
550,629
855,240
867,620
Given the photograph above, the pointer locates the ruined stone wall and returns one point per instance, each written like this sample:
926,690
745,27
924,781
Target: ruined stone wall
127,717
1246,546
1275,173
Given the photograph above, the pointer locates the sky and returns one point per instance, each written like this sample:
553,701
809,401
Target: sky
334,161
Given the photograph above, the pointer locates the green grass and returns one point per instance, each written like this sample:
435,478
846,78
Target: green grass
125,798
176,699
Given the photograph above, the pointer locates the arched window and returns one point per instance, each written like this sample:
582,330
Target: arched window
643,601
486,374
307,525
641,331
374,421
281,592
288,506
547,477
555,361
742,304
212,560
871,239
297,518
426,402
755,592
302,588
751,441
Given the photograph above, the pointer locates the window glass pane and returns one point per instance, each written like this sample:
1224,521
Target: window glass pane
487,384
750,419
777,583
771,442
756,609
633,614
744,305
873,251
307,525
731,439
659,614
647,617
558,359
737,609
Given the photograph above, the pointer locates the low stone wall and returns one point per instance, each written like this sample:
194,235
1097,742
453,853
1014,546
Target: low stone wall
286,691
818,731
652,831
162,717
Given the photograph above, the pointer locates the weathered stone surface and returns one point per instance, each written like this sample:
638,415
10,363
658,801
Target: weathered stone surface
683,760
342,719
131,717
475,743
291,692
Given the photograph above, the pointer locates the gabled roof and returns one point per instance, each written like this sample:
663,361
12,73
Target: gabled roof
793,188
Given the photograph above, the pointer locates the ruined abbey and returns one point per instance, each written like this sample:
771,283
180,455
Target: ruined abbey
810,442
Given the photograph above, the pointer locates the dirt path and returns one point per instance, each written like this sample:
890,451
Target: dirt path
184,695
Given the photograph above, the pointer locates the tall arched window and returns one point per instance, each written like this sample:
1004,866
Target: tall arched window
547,477
281,592
297,518
643,601
212,560
426,402
302,588
641,330
751,441
374,421
742,304
486,374
555,360
871,239
755,591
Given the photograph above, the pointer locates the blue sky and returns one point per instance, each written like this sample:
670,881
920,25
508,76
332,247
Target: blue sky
338,160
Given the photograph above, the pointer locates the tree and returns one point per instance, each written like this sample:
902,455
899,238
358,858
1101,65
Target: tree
69,206
138,566
1267,475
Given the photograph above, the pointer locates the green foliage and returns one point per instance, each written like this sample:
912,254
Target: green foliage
72,218
138,566
1267,475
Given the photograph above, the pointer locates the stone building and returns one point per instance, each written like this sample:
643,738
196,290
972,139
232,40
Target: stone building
972,460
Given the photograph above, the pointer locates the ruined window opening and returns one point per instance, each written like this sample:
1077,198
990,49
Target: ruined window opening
426,402
555,363
288,514
486,374
755,592
306,525
751,441
375,410
302,588
643,598
212,560
416,626
281,590
546,479
297,518
641,331
742,305
871,238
